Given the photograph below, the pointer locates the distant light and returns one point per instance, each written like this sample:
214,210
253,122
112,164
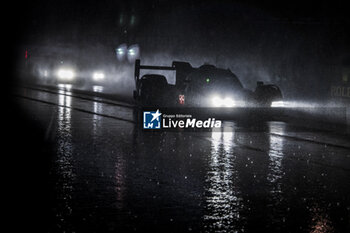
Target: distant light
121,19
132,20
97,76
121,52
65,74
133,52
277,104
207,80
26,54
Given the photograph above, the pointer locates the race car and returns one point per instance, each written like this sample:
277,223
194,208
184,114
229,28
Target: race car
205,86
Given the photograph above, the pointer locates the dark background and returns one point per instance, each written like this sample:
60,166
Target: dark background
299,45
296,44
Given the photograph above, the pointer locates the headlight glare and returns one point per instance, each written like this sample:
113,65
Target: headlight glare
216,101
65,74
222,102
97,76
228,102
277,104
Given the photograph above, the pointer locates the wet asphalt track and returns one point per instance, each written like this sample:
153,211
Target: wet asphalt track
107,175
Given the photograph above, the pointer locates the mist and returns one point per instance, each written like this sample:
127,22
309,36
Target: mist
302,54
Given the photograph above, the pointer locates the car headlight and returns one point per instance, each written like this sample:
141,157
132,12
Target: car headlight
121,52
216,101
97,76
133,52
277,104
65,74
222,102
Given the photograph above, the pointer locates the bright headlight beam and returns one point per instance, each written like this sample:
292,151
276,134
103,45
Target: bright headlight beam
66,74
222,102
120,51
98,76
216,101
277,104
131,52
228,102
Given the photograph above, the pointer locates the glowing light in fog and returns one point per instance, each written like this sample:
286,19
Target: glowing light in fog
65,74
296,104
277,104
97,76
121,52
133,52
216,101
222,102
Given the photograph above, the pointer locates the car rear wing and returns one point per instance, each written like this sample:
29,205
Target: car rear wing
181,69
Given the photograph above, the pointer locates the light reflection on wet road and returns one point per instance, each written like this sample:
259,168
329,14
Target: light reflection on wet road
64,163
110,175
223,200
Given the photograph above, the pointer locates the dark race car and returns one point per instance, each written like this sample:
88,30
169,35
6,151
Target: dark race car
206,86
